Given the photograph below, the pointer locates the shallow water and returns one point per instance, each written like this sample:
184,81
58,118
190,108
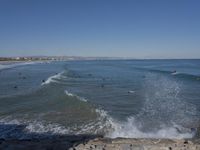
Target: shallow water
116,98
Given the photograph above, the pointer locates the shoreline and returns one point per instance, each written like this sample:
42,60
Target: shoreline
139,144
95,142
8,62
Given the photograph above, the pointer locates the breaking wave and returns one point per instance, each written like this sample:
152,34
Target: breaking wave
12,65
53,78
26,129
131,129
163,115
104,125
76,96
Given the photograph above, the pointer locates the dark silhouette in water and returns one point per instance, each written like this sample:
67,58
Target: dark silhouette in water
15,87
102,85
174,72
89,74
43,81
104,79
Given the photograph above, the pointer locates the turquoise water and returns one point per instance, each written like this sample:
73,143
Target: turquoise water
115,98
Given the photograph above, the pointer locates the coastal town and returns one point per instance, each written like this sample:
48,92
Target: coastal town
56,58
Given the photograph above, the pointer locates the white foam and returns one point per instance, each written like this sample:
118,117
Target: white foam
76,96
174,73
30,127
103,124
69,94
131,91
130,129
7,66
53,78
39,127
163,109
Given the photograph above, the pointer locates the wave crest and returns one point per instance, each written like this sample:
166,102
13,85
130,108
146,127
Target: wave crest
76,96
53,78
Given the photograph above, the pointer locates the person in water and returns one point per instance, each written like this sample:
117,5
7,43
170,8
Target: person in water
174,71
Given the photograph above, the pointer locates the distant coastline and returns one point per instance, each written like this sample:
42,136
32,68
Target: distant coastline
68,58
56,58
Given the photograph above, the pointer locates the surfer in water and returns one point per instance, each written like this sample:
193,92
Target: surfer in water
174,72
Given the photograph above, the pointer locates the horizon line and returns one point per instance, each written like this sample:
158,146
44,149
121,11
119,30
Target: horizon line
106,57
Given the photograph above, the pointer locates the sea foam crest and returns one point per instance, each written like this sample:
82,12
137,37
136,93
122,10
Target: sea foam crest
39,127
76,96
7,66
16,128
53,78
130,129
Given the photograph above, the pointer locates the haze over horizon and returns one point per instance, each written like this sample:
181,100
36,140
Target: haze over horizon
100,28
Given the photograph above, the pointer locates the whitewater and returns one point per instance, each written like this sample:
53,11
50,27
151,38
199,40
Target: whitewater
131,99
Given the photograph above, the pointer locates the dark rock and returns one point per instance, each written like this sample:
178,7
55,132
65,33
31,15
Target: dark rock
185,142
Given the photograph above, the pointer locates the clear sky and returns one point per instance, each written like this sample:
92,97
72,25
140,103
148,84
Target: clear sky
122,28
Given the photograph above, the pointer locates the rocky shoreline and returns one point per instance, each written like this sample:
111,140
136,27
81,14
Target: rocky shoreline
94,142
15,137
138,144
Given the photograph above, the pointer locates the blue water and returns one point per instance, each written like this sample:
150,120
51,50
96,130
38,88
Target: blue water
115,98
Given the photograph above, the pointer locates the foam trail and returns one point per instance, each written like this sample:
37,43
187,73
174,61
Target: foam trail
26,129
76,96
53,78
12,65
39,127
69,94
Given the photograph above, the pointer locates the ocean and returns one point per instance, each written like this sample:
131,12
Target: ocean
113,98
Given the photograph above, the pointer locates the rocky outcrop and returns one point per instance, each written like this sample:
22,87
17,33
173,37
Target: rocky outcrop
138,144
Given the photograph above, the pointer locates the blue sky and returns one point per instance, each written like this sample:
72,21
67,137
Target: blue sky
121,28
